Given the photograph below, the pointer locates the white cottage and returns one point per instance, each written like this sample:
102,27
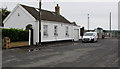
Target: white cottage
54,27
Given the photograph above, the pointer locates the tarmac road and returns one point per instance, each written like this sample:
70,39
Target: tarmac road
104,53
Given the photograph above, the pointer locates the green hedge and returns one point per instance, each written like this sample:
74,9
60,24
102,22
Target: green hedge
16,34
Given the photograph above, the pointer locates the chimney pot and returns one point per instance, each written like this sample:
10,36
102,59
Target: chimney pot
57,9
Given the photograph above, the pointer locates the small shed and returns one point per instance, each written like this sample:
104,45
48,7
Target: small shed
99,31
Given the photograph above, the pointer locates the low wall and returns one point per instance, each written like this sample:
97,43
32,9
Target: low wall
19,44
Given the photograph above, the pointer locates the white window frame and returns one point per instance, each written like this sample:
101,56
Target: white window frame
45,30
67,31
55,30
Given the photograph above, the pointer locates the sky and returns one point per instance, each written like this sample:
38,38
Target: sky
77,11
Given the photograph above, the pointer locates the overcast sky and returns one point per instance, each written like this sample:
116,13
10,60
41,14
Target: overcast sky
77,11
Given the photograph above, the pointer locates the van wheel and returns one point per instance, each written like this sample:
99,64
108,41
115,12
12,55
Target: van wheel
92,40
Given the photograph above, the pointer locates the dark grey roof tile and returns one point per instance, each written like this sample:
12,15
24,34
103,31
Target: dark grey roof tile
45,15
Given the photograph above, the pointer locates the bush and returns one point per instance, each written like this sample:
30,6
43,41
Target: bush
16,34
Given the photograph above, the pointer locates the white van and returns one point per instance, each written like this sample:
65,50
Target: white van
90,37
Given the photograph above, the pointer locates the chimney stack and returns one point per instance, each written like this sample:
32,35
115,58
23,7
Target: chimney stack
57,9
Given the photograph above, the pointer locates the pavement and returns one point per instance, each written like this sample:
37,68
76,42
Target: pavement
103,53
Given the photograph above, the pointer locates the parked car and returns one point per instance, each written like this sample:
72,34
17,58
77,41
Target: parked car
90,37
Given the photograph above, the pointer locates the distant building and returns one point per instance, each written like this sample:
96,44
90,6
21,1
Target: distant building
99,31
54,27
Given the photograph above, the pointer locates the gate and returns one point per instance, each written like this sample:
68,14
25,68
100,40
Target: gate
76,34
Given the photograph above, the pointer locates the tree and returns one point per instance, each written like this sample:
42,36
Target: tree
0,17
4,13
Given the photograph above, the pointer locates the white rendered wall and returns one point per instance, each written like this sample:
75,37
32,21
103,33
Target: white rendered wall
20,22
61,31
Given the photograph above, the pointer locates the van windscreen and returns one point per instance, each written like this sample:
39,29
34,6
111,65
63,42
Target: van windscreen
88,34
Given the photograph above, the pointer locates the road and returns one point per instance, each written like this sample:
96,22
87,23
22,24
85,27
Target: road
104,53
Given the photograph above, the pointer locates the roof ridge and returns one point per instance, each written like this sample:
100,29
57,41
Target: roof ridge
36,8
26,5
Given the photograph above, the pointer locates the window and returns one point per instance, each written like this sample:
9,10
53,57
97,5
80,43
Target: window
18,14
66,33
53,13
55,31
45,30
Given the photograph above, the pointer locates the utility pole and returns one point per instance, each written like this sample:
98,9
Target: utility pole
40,22
88,22
110,25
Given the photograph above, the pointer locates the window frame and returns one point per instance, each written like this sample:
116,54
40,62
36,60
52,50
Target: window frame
67,31
55,30
45,31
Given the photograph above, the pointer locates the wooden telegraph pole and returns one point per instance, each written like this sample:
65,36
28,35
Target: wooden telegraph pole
40,22
110,26
88,22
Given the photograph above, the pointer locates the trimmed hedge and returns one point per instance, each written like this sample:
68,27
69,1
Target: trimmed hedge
16,34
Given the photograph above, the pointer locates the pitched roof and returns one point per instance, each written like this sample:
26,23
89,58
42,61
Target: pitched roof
45,15
32,11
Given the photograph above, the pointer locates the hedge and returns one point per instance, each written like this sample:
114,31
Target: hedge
16,34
